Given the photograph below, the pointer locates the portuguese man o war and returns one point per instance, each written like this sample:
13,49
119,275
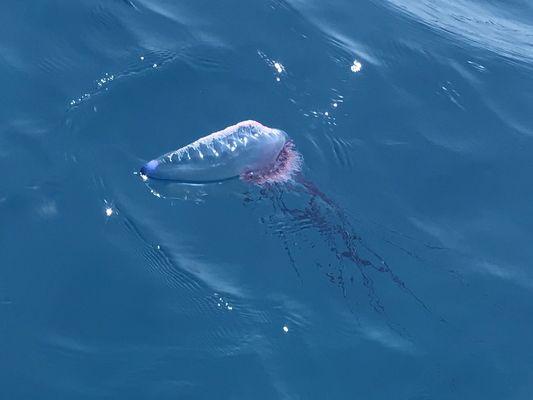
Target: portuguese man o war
266,158
247,150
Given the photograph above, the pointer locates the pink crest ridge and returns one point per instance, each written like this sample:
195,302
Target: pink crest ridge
287,165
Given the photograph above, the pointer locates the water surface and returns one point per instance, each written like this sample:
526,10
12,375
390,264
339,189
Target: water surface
402,270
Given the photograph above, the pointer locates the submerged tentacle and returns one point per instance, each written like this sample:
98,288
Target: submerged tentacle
323,216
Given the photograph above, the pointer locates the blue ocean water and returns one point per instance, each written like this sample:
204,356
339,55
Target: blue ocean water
399,267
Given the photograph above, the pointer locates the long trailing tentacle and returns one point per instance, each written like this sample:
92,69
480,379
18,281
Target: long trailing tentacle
333,225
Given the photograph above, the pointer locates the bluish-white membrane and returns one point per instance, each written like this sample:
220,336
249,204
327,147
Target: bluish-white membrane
232,152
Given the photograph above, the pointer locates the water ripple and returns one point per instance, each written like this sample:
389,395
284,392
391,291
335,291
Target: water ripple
485,25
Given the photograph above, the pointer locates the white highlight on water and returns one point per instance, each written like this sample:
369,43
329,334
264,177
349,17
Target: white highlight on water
356,66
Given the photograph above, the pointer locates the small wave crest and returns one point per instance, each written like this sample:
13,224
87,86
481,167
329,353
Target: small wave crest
503,31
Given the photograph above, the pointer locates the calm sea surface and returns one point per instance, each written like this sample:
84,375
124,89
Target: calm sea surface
399,266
